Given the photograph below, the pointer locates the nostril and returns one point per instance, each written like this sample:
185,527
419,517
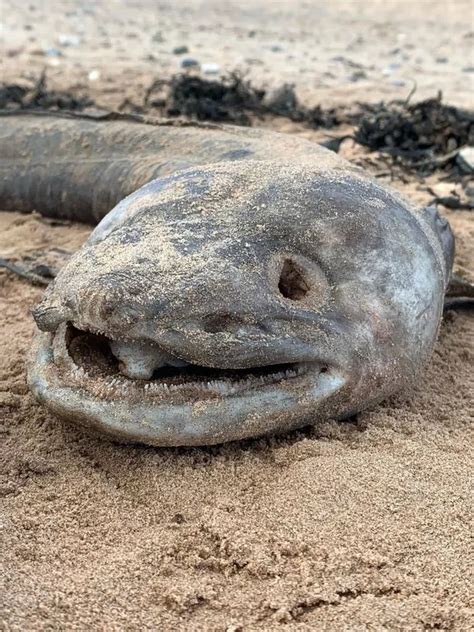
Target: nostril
48,318
293,283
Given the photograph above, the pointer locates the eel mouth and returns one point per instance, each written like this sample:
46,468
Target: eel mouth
78,376
91,356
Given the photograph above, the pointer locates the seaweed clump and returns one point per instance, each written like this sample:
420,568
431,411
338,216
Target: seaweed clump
228,100
424,135
233,99
38,97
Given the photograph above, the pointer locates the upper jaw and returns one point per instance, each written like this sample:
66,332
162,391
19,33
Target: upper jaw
276,340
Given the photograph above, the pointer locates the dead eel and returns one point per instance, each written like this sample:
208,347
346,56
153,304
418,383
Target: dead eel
239,282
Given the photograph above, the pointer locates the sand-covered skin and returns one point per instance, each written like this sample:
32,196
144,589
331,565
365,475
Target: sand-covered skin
346,526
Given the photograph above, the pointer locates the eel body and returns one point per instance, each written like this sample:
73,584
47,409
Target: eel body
238,282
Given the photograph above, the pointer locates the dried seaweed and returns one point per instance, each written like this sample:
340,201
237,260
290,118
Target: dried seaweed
232,99
229,100
13,96
423,136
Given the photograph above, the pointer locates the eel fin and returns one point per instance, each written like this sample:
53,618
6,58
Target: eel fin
459,293
443,232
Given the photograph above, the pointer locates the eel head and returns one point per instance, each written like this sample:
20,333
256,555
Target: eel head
236,300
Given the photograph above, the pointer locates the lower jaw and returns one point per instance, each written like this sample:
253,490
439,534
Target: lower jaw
187,416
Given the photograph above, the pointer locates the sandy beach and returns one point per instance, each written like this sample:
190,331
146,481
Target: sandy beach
357,525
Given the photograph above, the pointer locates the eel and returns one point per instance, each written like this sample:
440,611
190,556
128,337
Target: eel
238,282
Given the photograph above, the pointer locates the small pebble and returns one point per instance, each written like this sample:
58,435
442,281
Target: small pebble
210,69
388,70
69,40
189,62
180,50
356,76
51,51
94,75
465,159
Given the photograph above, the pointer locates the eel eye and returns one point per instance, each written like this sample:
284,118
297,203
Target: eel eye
298,279
293,283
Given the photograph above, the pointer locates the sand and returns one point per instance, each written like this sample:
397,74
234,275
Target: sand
361,525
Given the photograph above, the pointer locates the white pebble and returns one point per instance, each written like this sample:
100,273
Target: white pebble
69,40
465,159
210,69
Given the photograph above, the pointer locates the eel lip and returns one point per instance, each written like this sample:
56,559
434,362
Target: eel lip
179,407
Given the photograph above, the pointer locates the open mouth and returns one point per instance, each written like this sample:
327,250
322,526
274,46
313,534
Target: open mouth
77,375
93,356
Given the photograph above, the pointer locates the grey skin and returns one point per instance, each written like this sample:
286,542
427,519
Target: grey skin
252,283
